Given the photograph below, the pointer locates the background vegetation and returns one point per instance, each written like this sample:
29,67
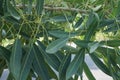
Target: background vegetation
39,37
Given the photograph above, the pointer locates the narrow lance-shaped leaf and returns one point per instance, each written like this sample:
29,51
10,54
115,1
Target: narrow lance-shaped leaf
40,65
80,71
26,65
79,22
104,23
10,77
100,64
64,65
12,10
88,72
11,20
39,6
51,59
105,50
62,34
91,24
1,7
75,64
118,9
56,45
30,6
113,43
51,72
113,28
60,56
93,46
81,43
70,49
5,53
15,59
90,20
2,66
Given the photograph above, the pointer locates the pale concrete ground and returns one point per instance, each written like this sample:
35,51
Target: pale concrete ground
99,75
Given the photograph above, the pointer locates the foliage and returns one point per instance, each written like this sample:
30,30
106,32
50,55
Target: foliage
36,38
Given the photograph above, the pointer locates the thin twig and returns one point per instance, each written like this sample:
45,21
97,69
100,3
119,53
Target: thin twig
59,9
65,9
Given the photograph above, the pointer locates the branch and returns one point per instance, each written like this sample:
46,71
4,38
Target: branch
59,9
65,9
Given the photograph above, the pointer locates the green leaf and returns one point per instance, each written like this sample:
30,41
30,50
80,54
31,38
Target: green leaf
81,43
13,11
113,43
70,49
105,50
88,72
118,60
106,22
51,59
75,64
5,53
74,1
90,20
10,77
97,8
80,71
1,7
118,9
30,6
11,19
91,24
26,64
15,59
51,72
40,65
63,66
56,45
100,64
39,6
79,22
60,56
62,34
93,46
2,66
113,28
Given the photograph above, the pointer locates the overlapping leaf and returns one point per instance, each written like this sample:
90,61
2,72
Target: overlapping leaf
63,66
88,72
62,34
40,65
51,59
81,43
56,45
26,64
12,10
91,25
75,64
5,53
112,43
39,6
15,59
79,22
100,64
93,46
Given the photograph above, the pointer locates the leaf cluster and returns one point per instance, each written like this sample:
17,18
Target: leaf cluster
47,44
